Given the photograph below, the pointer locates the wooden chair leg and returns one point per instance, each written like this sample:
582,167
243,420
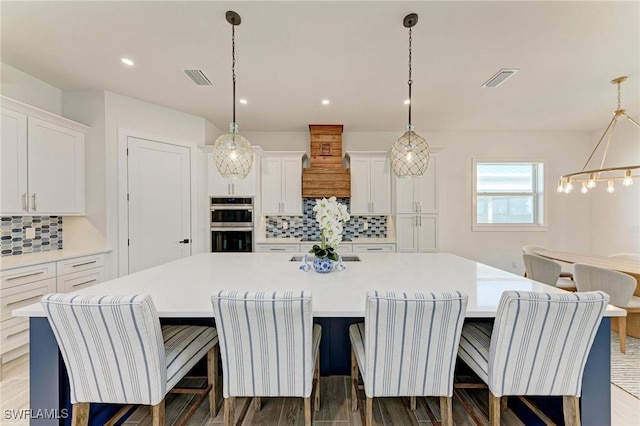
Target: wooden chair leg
212,378
316,402
369,412
257,403
157,414
622,332
504,402
307,411
354,381
229,415
571,410
80,414
494,409
446,410
412,403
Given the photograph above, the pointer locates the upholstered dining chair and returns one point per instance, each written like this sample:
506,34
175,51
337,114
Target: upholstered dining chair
626,256
546,271
407,346
269,348
116,352
566,270
538,345
617,285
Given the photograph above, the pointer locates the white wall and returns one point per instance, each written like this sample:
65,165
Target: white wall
20,86
568,217
615,225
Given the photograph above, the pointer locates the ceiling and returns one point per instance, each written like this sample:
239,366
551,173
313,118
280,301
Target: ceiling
291,55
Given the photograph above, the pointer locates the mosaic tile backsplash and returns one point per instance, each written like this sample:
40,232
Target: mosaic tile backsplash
305,226
13,234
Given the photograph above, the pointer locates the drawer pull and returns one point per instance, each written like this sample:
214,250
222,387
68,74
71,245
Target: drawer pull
25,300
374,249
25,275
83,263
277,249
84,282
9,336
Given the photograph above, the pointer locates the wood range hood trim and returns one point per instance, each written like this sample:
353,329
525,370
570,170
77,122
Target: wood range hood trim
326,175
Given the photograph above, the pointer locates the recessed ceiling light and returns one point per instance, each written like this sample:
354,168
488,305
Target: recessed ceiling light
325,102
127,61
407,102
243,101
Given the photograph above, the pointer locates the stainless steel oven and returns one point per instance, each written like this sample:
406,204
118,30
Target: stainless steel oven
231,224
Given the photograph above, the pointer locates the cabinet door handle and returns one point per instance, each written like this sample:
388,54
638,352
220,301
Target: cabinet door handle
83,263
25,275
420,221
33,198
84,282
39,296
415,220
233,189
374,249
25,206
276,249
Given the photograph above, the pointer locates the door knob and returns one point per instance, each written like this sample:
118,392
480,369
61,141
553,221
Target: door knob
185,241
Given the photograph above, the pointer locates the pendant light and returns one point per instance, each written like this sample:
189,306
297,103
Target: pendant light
232,152
410,153
589,177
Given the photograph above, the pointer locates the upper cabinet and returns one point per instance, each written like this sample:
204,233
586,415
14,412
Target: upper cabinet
219,186
42,162
282,182
418,195
370,183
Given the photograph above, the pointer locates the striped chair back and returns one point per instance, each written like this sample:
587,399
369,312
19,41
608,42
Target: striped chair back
265,343
540,269
540,342
112,347
411,342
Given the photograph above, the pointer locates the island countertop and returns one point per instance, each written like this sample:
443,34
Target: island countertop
183,288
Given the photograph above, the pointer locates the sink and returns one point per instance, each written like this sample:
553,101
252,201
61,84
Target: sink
345,258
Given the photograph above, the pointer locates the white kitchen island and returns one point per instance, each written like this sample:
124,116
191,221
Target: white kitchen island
181,291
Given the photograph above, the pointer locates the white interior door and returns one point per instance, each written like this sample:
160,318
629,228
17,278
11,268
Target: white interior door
159,188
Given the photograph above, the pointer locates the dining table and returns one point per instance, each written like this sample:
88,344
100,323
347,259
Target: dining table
182,289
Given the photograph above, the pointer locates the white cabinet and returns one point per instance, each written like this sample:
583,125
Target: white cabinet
219,186
281,183
278,248
417,233
42,161
374,248
370,183
418,195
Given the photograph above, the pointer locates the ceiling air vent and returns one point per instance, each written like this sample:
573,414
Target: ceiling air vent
198,77
499,78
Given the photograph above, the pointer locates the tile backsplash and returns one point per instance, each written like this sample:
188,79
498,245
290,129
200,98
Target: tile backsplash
13,234
305,226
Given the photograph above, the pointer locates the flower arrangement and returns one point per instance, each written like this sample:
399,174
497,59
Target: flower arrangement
330,214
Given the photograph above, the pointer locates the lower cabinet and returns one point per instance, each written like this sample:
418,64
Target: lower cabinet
374,248
278,248
417,233
25,286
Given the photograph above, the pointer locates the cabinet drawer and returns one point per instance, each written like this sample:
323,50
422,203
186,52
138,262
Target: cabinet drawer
375,248
27,274
342,248
14,333
79,280
80,264
278,248
24,295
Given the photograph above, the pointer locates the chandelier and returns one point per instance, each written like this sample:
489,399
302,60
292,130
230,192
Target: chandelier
410,153
232,152
589,178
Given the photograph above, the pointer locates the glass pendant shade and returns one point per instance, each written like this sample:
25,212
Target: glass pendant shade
233,155
410,155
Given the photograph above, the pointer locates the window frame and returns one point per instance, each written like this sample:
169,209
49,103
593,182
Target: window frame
539,197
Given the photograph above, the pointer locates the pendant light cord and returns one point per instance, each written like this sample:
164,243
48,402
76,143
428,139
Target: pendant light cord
410,82
233,69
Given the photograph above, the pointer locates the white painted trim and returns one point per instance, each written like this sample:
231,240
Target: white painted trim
541,205
35,112
196,193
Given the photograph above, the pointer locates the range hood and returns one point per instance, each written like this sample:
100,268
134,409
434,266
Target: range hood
326,176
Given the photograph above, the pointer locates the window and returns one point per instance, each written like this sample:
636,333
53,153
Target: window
508,195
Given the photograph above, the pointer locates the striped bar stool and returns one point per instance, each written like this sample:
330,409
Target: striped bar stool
269,348
538,345
116,352
407,346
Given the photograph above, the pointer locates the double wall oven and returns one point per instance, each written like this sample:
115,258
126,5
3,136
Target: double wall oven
231,224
